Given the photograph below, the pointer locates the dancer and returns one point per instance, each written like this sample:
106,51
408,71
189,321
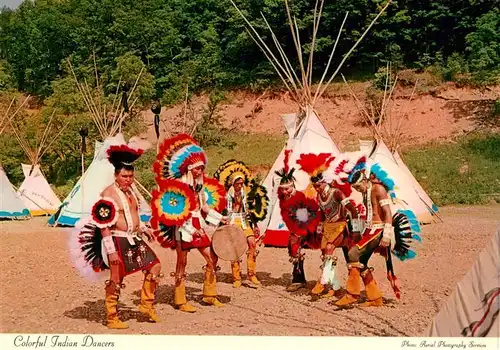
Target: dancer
381,230
301,216
246,205
115,222
333,201
181,164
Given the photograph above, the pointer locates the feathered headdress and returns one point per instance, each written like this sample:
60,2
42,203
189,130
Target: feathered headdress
286,174
123,155
358,172
231,171
337,173
315,165
361,167
177,155
384,179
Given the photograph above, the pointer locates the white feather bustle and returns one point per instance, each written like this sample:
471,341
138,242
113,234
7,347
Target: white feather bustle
77,257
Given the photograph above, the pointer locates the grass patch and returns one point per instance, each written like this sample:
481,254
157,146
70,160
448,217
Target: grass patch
466,172
258,151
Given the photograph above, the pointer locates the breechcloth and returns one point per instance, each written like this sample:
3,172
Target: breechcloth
369,243
133,252
370,233
332,231
198,242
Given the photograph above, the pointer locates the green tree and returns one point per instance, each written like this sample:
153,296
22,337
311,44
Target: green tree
484,49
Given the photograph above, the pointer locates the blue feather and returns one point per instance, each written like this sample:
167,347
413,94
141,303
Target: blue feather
410,214
181,156
357,167
411,254
416,237
415,228
383,176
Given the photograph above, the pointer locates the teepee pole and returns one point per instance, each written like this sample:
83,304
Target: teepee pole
3,122
289,72
38,154
267,52
296,39
351,50
398,127
362,110
316,21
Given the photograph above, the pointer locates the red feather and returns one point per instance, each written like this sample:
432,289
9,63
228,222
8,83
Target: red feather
166,150
311,163
393,280
340,167
123,153
344,187
287,159
289,209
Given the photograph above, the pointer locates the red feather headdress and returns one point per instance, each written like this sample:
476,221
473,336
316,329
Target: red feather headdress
215,194
123,154
315,164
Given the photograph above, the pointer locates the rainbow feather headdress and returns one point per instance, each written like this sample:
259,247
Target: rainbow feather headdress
177,155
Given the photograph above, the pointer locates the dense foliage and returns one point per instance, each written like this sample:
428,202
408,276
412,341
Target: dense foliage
204,42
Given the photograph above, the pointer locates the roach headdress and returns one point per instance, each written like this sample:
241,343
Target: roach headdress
286,174
123,155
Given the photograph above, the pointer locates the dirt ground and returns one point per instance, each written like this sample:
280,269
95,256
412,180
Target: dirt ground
42,292
448,112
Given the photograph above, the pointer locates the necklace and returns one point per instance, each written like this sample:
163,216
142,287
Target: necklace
126,191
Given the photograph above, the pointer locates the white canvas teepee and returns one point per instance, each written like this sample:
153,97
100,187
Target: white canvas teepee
307,137
473,308
387,127
11,206
36,192
86,192
306,133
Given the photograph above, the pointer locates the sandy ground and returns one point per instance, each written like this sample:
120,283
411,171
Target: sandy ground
42,292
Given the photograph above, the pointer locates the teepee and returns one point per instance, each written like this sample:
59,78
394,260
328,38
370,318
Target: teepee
11,206
100,173
472,310
35,191
305,131
386,128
